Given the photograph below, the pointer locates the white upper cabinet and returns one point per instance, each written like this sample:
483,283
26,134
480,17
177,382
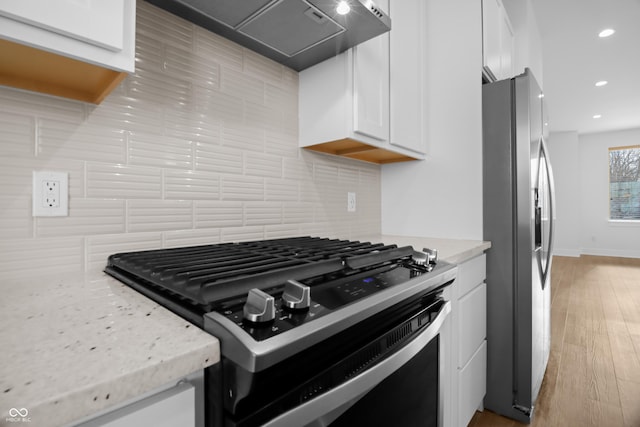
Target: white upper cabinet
408,73
84,47
371,88
367,102
102,22
497,41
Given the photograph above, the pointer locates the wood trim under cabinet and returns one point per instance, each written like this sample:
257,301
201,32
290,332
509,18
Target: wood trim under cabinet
353,149
37,70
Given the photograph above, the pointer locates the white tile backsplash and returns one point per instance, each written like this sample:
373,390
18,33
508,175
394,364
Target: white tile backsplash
199,146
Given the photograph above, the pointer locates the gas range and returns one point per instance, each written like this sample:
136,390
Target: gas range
340,315
266,300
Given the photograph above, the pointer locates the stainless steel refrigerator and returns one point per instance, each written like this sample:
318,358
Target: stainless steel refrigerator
518,214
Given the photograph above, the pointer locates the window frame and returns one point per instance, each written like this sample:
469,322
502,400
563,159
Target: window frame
634,220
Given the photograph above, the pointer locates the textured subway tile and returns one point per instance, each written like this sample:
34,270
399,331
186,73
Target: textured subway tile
281,231
217,49
17,135
217,158
178,238
159,150
290,77
260,164
242,234
282,98
86,217
282,142
199,146
217,106
192,125
348,177
309,191
215,214
243,137
159,215
248,88
162,25
319,229
297,169
262,67
17,174
150,86
123,112
262,116
294,213
185,64
29,257
262,213
82,141
29,103
15,216
100,247
191,185
364,227
325,173
149,52
123,182
242,188
280,190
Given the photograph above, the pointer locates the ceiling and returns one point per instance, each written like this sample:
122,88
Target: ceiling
575,58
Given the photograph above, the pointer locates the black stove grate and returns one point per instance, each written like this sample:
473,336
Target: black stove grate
206,274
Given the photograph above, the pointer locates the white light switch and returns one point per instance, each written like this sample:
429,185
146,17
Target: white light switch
50,193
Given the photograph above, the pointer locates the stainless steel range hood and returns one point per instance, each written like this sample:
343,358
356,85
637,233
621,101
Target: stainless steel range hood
296,33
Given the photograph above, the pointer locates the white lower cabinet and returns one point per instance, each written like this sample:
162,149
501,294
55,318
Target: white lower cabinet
468,359
472,385
177,405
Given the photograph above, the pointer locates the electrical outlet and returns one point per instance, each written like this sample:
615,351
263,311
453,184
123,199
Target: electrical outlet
351,202
50,193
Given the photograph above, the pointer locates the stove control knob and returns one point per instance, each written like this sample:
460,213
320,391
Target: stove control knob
432,255
296,296
260,307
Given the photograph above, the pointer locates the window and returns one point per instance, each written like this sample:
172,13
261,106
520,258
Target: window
624,182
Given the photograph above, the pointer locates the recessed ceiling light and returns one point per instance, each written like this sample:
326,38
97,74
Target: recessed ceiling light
597,116
606,33
343,8
601,83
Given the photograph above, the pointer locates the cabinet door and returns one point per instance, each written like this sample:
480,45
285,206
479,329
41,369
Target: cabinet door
506,47
491,23
472,327
99,22
407,75
171,408
472,385
371,88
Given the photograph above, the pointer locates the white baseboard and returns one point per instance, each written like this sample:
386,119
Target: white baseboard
611,252
566,252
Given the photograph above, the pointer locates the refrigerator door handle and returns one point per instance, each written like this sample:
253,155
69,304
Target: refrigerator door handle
552,202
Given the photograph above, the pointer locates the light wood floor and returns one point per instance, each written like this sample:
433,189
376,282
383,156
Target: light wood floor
593,376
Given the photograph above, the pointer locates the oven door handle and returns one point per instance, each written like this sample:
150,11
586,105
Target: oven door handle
325,408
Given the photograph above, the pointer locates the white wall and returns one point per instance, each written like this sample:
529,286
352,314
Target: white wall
442,196
596,235
528,43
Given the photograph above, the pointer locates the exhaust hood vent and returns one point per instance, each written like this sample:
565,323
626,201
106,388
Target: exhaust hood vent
296,33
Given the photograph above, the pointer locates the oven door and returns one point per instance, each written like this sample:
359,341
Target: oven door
403,389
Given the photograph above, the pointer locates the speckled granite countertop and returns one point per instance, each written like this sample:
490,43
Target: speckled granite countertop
75,345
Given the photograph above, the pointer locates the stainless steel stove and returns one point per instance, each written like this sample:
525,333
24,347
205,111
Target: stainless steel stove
300,321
